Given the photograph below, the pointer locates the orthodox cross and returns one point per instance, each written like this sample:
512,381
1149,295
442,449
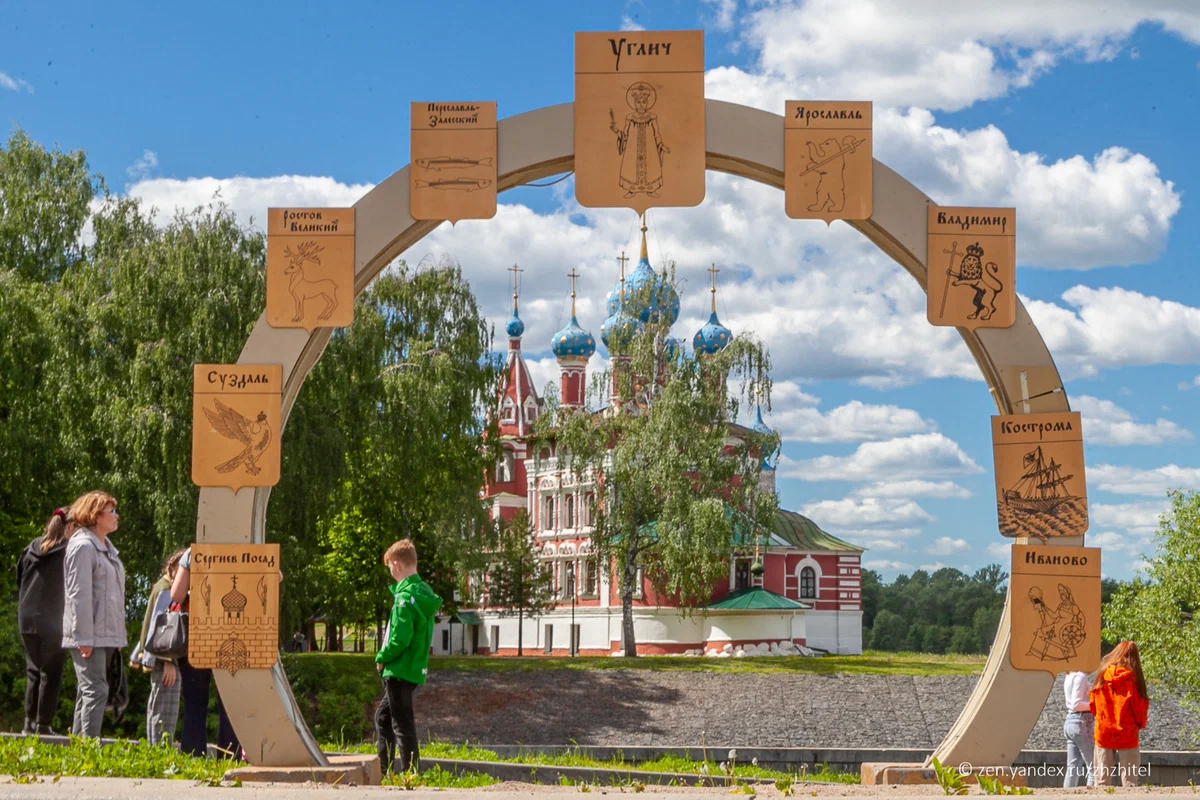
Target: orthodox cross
573,275
713,270
514,269
622,259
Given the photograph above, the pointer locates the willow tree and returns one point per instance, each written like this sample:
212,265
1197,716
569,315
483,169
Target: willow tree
1162,612
677,483
410,377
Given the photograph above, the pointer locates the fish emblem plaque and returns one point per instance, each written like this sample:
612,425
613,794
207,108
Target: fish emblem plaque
454,161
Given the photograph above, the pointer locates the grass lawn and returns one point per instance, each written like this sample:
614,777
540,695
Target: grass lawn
673,764
870,663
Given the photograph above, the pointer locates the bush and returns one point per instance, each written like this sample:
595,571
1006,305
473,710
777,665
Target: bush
337,693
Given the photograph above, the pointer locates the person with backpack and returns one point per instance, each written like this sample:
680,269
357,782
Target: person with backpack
40,600
404,658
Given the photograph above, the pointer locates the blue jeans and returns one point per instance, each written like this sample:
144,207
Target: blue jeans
1078,729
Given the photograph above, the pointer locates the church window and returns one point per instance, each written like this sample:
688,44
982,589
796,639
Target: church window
569,579
548,568
530,410
585,512
590,576
548,514
741,574
504,467
569,509
509,411
808,583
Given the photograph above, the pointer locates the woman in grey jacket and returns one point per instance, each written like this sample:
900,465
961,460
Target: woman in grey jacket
94,610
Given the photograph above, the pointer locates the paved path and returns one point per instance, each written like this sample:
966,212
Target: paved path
644,707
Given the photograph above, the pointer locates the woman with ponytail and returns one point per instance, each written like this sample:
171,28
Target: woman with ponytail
39,619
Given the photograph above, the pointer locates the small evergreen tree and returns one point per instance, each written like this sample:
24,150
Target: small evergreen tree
516,584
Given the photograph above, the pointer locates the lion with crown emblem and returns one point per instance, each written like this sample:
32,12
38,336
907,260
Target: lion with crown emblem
983,279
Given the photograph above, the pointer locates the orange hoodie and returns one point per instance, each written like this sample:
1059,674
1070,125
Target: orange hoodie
1119,709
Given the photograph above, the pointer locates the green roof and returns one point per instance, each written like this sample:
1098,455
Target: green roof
466,618
801,532
756,598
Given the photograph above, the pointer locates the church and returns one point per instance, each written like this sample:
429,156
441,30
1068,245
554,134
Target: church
807,593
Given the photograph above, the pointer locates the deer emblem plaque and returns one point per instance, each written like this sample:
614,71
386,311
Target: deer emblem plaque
310,267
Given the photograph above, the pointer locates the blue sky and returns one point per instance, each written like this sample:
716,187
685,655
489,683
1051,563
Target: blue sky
1084,122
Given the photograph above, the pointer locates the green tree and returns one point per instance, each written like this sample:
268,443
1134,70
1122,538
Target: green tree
409,380
872,589
517,585
673,497
889,632
1160,612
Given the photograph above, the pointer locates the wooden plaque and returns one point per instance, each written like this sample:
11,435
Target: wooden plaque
972,262
233,607
827,162
1041,489
1055,608
454,154
639,119
235,424
310,267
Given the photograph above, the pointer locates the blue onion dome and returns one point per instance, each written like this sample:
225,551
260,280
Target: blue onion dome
713,337
620,329
515,326
762,427
647,294
672,348
573,341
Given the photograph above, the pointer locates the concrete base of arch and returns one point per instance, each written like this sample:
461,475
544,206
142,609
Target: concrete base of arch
742,141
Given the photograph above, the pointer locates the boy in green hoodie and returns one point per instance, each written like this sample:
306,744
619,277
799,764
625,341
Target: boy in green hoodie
404,658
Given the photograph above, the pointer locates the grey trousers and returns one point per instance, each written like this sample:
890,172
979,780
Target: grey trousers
162,709
91,694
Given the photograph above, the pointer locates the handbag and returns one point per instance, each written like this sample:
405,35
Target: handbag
170,637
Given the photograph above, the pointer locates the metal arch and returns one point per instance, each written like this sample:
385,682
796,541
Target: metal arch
747,142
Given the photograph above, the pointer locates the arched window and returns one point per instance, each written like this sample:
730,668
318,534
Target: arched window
504,467
548,514
508,412
585,511
808,584
530,410
569,509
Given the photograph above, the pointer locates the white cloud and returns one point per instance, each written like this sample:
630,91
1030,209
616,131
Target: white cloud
723,14
948,546
1001,551
928,455
1139,519
249,198
913,488
850,512
884,565
14,84
141,169
1104,422
853,422
1110,328
628,24
1146,482
1113,542
937,54
934,567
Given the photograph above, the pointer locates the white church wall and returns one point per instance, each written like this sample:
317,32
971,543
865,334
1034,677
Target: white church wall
836,631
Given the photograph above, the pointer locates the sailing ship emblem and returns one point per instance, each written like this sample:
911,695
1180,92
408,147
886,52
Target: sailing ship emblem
1042,487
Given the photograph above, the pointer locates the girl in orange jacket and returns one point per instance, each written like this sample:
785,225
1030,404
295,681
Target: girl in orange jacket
1120,703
